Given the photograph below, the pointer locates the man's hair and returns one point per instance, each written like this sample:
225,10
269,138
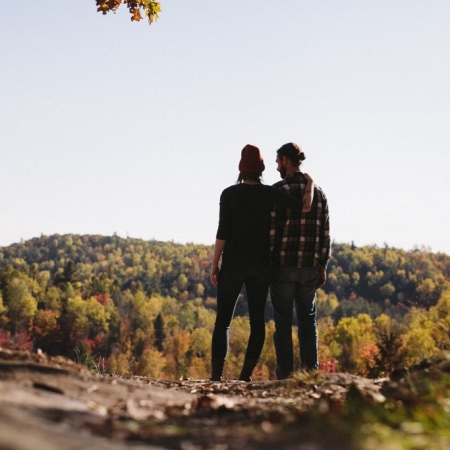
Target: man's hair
292,152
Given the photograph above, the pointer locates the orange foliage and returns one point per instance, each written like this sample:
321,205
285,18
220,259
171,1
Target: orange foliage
329,365
18,341
45,322
102,298
369,354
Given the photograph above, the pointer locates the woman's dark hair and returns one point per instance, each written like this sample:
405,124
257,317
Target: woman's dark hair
243,176
292,152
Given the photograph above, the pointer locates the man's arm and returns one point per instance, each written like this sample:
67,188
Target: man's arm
325,241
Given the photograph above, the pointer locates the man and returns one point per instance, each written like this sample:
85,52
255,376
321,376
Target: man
300,249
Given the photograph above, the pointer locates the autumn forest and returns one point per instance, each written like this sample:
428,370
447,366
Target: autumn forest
129,306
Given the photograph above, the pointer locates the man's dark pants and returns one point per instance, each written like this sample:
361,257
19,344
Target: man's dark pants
294,285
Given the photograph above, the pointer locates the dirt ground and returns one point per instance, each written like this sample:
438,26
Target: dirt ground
52,403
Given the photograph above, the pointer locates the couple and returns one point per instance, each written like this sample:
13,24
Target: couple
270,235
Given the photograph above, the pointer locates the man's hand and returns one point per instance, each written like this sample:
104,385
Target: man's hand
322,277
214,275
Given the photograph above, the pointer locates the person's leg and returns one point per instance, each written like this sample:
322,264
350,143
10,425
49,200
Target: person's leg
230,283
305,306
257,286
282,292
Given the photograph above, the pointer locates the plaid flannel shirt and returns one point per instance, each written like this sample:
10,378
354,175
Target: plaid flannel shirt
296,238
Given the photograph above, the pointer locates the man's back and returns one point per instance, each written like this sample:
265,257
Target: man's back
300,244
300,239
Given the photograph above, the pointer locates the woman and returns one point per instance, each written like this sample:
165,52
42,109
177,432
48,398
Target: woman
243,241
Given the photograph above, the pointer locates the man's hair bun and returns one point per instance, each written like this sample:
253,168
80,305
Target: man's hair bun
293,152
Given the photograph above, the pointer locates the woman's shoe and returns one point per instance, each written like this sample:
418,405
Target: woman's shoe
247,369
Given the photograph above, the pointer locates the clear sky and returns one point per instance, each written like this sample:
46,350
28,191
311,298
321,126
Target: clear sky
112,126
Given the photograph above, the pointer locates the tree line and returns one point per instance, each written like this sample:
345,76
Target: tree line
130,306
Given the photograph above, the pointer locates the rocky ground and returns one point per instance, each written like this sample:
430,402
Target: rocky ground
52,403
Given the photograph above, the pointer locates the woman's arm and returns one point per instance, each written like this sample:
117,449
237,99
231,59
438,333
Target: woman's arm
218,250
308,195
289,201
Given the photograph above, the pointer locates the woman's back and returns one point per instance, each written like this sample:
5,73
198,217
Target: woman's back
244,221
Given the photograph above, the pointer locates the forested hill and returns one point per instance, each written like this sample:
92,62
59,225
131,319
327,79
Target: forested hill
100,264
147,307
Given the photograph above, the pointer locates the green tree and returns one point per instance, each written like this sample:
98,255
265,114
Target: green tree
159,332
90,316
418,342
326,303
46,331
151,364
52,300
356,337
267,360
20,302
200,343
3,308
440,318
389,342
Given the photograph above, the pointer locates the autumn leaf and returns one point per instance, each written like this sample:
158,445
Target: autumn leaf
137,8
136,15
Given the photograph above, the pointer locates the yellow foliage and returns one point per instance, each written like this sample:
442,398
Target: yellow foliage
239,334
440,317
20,302
419,345
206,318
111,365
119,364
326,303
200,343
2,306
325,329
151,364
387,290
199,289
352,338
90,315
124,366
44,321
268,357
199,369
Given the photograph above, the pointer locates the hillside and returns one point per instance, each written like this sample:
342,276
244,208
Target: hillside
129,306
103,263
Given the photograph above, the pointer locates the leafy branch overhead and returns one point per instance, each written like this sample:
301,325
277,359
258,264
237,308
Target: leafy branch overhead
138,8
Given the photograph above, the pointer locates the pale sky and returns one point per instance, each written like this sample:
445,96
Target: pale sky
109,126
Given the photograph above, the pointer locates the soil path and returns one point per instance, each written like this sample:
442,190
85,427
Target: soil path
52,403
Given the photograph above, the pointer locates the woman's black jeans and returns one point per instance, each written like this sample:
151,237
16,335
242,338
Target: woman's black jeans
236,271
